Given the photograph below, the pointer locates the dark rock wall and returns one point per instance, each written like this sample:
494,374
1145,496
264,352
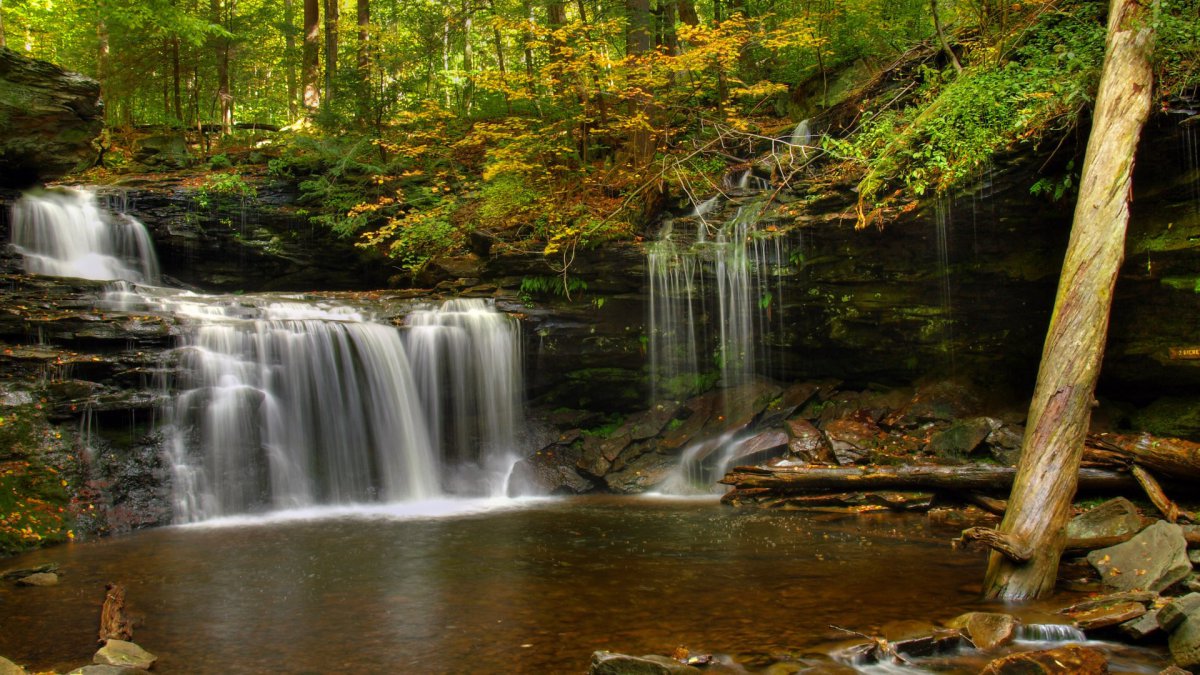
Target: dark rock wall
49,119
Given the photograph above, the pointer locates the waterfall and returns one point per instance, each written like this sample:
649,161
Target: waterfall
64,233
710,294
291,405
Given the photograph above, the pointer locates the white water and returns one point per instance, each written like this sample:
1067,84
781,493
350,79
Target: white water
285,402
293,405
64,233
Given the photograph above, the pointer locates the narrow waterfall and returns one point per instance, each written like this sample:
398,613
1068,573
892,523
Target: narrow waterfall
302,405
64,233
712,291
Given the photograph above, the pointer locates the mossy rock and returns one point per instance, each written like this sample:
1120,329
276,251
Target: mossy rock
1170,416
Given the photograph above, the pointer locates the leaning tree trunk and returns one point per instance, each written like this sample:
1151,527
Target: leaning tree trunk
1059,414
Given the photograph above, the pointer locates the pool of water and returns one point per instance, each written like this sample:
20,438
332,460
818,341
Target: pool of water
524,587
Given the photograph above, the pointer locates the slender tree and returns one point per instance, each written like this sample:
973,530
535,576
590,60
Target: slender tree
1031,538
332,16
311,58
289,56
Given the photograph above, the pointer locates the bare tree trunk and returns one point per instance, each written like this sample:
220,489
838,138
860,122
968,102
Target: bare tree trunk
1059,414
498,44
467,56
175,79
332,15
364,40
224,94
102,55
3,40
289,57
312,55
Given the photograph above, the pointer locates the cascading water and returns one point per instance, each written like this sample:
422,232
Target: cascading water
299,405
283,402
712,291
64,233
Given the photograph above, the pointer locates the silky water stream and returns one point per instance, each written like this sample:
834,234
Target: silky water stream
338,485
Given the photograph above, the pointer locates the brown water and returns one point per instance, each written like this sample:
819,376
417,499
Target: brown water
531,589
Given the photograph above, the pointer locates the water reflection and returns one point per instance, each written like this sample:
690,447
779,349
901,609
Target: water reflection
535,588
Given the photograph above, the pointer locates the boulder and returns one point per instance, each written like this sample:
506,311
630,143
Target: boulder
758,448
1185,638
9,668
807,443
645,472
548,472
961,438
987,630
1113,518
1068,660
1141,627
852,441
165,150
49,118
1110,615
1153,560
39,579
124,654
1178,610
609,663
1004,443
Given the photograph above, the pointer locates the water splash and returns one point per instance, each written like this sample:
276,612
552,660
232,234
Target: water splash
64,233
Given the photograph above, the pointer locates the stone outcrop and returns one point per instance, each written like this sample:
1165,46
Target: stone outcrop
1153,560
49,118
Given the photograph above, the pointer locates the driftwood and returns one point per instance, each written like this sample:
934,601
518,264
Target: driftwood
965,478
1159,498
114,622
857,501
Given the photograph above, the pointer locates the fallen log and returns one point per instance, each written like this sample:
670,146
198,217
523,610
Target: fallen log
850,501
969,477
1167,457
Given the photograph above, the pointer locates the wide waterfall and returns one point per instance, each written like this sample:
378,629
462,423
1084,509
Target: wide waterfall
64,233
292,405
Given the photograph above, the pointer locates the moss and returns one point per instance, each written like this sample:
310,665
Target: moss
35,505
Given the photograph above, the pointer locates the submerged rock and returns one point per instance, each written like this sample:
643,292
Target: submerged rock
9,668
104,669
1068,660
126,654
609,663
1153,560
39,579
987,630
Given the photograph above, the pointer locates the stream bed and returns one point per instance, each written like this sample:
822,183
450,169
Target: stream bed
530,586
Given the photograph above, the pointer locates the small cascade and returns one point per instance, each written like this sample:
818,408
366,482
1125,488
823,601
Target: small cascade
64,233
1049,632
290,404
714,291
943,222
802,135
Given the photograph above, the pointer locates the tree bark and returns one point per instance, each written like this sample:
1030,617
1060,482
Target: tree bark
364,40
332,16
176,79
311,58
102,54
3,40
1060,411
937,26
114,623
289,57
221,47
1173,458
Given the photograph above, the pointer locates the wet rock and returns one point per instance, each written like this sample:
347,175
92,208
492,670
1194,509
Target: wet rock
9,668
1103,617
807,443
1177,611
852,441
1113,518
39,579
609,663
1004,443
1185,637
1152,560
645,472
793,397
48,120
1068,660
126,654
549,472
759,448
649,423
961,438
1141,627
987,630
599,453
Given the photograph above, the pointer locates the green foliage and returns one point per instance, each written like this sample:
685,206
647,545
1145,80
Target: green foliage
547,286
229,186
1038,84
34,504
219,162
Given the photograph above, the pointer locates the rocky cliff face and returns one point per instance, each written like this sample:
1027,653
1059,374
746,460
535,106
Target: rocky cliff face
48,120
